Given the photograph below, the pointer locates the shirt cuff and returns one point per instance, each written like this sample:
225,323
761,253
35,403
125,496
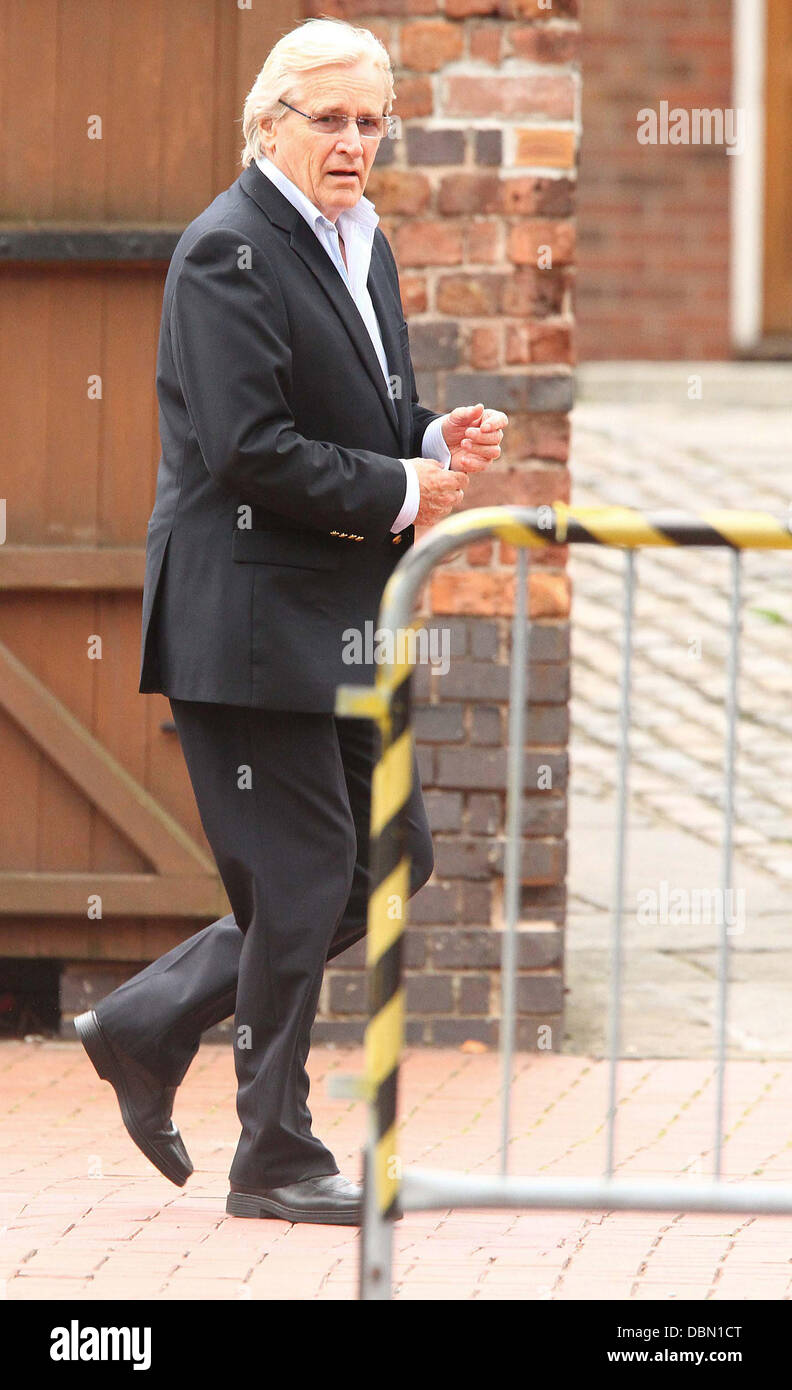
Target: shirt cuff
434,445
412,499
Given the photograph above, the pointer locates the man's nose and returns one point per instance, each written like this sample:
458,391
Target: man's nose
350,138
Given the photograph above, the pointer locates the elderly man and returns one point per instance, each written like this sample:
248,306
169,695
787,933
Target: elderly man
294,468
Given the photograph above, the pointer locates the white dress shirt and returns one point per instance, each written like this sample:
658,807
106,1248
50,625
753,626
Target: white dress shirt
357,226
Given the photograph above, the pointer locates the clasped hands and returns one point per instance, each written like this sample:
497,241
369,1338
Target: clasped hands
473,436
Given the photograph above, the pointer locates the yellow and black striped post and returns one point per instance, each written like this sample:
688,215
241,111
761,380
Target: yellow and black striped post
388,702
387,915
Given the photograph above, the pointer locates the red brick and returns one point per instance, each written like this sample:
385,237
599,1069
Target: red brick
403,191
483,242
485,348
486,42
429,243
557,9
413,294
480,554
526,196
526,239
428,45
491,593
389,226
461,193
469,295
519,486
539,342
518,344
545,148
554,556
539,44
461,9
413,98
526,94
535,292
383,30
356,10
539,436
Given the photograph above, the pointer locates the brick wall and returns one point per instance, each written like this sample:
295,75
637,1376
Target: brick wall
476,199
654,220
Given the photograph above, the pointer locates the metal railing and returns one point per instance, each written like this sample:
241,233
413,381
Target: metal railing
388,1190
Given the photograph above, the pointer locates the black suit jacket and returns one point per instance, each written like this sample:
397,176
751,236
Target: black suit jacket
281,474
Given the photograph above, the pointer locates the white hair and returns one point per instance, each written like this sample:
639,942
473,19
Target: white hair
317,43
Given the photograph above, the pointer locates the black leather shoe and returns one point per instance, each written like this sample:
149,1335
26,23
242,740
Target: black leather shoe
145,1103
329,1200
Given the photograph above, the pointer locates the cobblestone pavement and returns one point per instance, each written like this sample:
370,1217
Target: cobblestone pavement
84,1216
689,457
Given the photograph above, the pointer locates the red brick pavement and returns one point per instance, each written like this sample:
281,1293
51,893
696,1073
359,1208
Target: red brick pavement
83,1215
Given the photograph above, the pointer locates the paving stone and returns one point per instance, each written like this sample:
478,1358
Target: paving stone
657,458
131,1235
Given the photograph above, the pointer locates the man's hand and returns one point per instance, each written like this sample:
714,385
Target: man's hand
474,436
441,491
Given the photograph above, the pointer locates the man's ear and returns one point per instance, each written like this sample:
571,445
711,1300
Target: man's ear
265,133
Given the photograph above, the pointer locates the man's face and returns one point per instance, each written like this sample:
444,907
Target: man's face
312,160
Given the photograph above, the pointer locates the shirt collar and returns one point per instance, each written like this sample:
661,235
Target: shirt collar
362,215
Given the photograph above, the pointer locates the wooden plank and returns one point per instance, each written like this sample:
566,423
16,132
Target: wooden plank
258,30
73,461
65,817
72,467
72,567
76,939
129,367
129,370
191,78
75,420
118,720
778,170
24,400
157,836
86,87
32,64
124,895
65,825
227,98
141,104
18,828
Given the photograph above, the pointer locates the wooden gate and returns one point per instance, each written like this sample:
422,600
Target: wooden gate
121,122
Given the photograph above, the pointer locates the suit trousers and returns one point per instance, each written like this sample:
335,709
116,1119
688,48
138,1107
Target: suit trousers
285,801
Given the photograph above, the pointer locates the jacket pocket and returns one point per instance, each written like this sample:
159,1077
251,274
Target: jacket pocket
284,548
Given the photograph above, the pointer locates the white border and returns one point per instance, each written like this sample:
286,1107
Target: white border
749,20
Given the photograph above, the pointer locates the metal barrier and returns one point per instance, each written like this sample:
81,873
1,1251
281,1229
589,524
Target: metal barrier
388,1191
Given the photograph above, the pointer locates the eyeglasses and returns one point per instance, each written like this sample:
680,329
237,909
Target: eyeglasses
370,127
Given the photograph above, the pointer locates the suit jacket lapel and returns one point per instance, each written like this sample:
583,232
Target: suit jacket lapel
305,244
389,324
